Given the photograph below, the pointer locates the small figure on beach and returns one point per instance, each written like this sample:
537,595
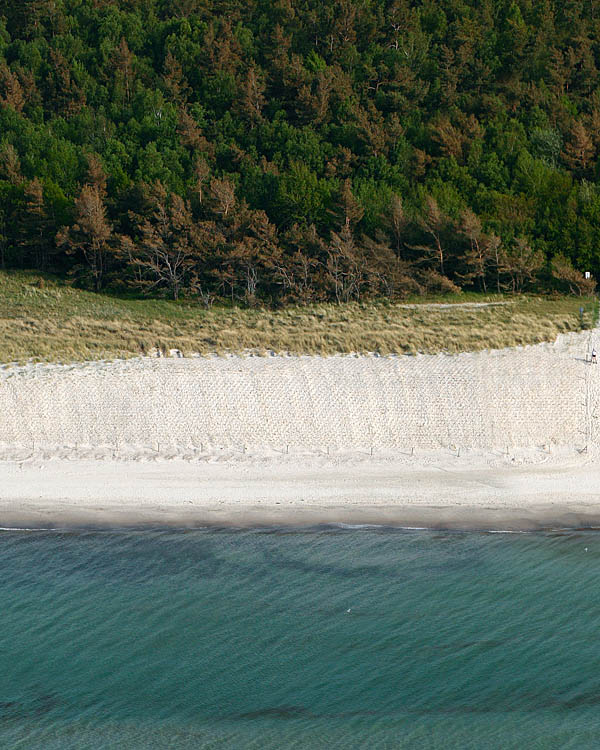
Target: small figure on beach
594,359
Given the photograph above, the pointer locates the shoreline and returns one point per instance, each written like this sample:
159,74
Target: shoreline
545,521
477,494
433,518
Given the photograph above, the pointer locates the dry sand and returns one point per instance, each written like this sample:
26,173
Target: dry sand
442,491
501,439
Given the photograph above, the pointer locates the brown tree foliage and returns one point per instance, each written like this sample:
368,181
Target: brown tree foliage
12,94
190,133
300,271
345,265
169,248
251,254
387,273
563,271
124,68
68,97
350,209
175,83
10,164
520,264
579,150
91,235
223,194
96,174
253,99
449,138
201,175
477,256
434,222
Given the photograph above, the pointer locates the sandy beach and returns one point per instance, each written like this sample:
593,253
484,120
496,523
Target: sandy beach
500,440
432,491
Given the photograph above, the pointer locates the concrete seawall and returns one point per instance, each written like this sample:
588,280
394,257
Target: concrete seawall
515,397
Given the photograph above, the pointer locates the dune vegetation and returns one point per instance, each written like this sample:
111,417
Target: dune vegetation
44,319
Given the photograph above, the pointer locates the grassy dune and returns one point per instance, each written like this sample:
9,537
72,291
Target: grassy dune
43,319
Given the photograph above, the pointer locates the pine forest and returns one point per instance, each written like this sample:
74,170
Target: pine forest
265,152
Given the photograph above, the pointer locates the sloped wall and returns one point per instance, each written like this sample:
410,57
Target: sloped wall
519,397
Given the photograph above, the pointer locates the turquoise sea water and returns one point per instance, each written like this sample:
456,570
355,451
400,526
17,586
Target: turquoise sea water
322,638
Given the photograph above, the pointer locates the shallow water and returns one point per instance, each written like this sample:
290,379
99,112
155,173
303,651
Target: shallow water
334,638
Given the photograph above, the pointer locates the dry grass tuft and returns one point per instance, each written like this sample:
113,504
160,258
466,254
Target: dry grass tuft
45,320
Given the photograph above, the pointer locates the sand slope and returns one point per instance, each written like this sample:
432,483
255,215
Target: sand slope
521,397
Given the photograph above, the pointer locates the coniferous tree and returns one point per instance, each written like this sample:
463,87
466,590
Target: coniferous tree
433,222
35,232
89,238
168,248
579,150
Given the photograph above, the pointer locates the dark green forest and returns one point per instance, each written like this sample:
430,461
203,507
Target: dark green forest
270,151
